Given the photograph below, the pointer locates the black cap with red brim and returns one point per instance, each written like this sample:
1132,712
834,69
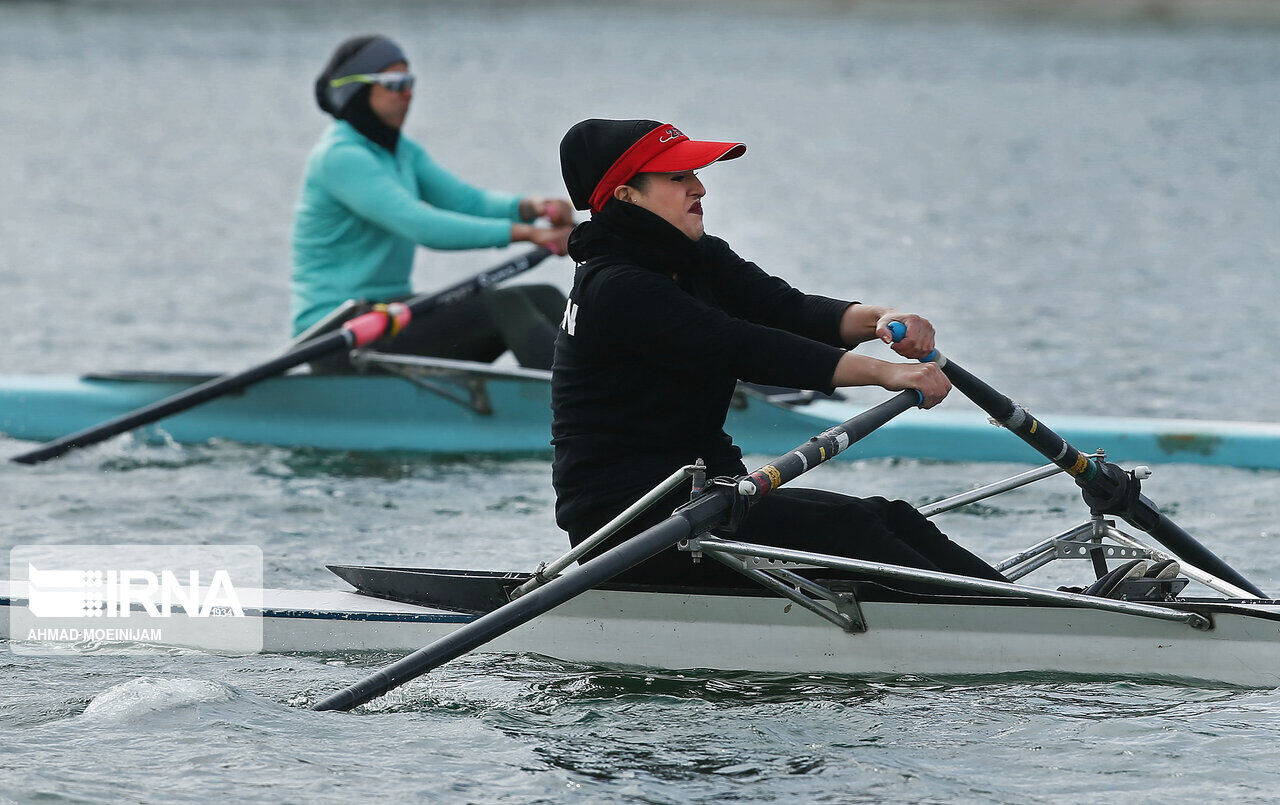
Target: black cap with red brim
598,156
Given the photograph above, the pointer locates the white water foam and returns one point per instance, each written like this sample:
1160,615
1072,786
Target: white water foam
152,695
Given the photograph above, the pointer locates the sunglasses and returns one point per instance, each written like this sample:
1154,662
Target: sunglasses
396,82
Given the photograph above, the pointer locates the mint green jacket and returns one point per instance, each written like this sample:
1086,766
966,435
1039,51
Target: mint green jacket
362,212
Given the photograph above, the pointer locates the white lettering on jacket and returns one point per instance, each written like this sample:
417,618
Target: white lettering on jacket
570,320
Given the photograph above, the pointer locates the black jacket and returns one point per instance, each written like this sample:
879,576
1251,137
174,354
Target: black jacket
658,331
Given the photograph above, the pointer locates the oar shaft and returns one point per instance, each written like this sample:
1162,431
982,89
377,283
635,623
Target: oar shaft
518,612
1172,536
826,445
1106,488
354,333
494,276
1019,421
697,517
186,399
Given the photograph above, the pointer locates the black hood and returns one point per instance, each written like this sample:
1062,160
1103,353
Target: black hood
355,109
632,233
591,147
361,117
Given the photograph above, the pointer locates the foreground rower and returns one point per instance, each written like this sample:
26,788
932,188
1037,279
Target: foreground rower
663,320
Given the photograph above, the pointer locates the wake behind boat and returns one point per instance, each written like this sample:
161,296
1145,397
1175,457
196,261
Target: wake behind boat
439,406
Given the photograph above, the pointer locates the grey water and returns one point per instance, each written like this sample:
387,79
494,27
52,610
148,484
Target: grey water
1087,209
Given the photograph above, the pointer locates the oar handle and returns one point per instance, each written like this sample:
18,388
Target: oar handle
898,331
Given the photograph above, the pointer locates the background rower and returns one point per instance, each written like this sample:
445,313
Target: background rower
371,195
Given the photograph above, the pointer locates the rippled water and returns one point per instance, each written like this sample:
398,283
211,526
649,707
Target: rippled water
1087,212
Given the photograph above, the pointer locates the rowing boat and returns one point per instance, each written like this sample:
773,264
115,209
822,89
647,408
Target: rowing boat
744,630
898,633
454,407
803,613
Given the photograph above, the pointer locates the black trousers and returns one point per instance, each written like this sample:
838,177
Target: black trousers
522,318
873,529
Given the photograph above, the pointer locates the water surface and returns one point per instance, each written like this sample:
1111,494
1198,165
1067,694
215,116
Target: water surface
1088,214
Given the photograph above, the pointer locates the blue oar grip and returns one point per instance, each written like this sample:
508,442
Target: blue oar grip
898,331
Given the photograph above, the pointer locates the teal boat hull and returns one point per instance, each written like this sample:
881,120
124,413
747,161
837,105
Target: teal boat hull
386,413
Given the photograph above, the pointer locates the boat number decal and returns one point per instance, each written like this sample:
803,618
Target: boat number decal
822,454
775,477
1080,465
804,462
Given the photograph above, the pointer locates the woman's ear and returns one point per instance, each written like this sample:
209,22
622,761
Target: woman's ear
623,193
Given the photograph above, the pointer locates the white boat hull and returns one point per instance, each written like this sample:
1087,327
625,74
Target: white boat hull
721,632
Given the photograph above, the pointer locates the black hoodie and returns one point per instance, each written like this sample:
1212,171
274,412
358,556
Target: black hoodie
658,330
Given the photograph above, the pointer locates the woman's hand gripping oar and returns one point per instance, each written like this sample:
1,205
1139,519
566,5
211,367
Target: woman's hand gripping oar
709,511
1107,488
358,332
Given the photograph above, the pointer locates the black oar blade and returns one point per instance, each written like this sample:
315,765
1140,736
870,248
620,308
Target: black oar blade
308,351
697,517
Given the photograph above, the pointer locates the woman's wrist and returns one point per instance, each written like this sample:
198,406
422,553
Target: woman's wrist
861,370
858,324
529,209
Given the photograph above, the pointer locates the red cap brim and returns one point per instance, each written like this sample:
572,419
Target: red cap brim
671,152
690,155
